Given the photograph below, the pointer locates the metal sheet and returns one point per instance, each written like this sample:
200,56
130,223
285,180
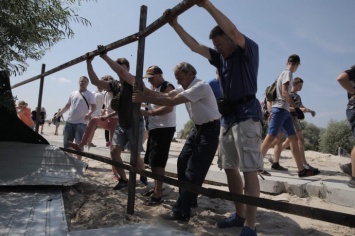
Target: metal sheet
36,212
37,164
132,230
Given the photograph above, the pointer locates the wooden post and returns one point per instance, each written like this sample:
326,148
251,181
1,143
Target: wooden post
40,93
135,152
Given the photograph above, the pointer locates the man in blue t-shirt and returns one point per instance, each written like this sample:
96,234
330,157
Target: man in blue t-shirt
236,58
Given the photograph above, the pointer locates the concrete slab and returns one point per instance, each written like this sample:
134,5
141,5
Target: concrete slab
334,191
330,188
37,164
132,230
32,213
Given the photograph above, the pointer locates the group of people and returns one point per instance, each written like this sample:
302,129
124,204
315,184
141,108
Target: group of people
233,122
30,117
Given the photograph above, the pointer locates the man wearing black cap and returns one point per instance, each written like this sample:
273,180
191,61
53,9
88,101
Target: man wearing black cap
281,117
161,124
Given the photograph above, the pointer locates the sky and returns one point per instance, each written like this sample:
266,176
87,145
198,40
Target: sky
321,32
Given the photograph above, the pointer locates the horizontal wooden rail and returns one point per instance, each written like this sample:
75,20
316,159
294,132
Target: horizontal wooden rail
177,10
305,211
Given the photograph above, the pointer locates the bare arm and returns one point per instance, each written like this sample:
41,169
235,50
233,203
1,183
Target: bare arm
344,81
93,77
160,110
120,71
139,97
63,110
287,96
224,22
189,40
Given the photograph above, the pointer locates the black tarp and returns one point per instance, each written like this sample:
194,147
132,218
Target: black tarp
11,127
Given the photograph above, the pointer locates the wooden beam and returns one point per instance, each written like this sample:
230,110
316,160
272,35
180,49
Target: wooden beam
177,10
294,209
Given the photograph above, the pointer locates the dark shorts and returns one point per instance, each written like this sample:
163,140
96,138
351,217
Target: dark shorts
350,115
158,146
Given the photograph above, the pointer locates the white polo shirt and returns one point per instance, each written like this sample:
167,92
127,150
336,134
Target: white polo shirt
202,107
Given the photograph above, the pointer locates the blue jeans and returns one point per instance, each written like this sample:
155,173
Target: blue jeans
71,132
195,160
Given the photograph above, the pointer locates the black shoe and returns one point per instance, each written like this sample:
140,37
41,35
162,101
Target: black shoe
277,166
148,193
194,204
152,201
264,172
175,215
307,173
121,184
309,167
144,180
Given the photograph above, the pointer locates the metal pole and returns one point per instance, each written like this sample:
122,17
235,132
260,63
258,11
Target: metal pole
40,93
177,10
136,114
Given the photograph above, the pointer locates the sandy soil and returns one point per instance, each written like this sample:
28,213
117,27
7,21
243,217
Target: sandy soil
93,204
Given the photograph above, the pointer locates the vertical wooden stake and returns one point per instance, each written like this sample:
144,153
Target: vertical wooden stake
39,104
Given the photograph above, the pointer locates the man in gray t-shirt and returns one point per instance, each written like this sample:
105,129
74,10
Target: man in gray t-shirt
280,117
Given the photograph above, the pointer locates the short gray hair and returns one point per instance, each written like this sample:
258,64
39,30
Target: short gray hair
185,67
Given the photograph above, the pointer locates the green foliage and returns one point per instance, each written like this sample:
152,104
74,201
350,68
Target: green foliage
28,28
187,128
311,136
337,133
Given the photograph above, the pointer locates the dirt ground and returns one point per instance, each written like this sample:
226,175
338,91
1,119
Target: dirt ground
92,204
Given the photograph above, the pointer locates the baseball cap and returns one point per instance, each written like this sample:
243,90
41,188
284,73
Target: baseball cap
294,58
151,71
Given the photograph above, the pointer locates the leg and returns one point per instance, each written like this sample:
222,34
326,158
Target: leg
115,153
285,144
277,148
252,188
235,185
267,143
79,131
300,139
198,164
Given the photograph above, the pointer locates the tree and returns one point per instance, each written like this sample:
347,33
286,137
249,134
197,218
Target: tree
337,134
311,136
187,128
29,28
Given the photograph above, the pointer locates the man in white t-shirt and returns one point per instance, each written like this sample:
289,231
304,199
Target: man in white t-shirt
100,100
81,105
161,126
198,152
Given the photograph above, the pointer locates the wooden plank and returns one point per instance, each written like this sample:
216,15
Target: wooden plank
177,10
305,211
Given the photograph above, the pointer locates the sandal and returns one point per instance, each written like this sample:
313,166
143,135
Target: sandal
152,201
148,193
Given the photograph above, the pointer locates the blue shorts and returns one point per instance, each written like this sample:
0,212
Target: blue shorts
280,119
123,136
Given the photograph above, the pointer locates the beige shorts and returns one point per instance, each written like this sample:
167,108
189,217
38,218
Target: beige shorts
296,123
240,147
